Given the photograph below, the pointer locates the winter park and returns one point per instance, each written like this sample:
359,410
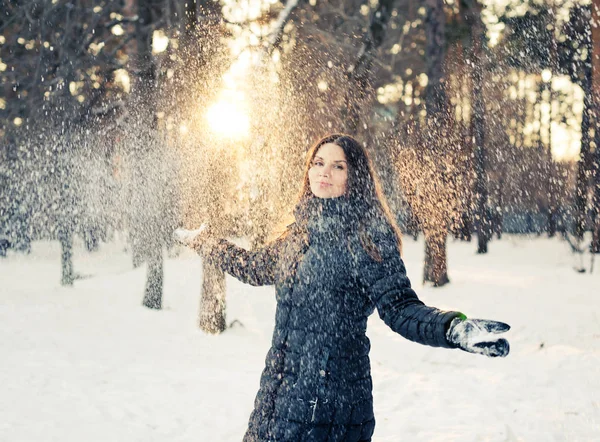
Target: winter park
289,220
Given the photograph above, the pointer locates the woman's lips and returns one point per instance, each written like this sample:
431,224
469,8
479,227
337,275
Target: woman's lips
322,184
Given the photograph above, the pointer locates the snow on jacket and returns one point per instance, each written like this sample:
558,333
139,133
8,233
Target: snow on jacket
316,384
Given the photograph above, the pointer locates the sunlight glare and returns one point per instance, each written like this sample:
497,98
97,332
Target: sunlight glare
228,120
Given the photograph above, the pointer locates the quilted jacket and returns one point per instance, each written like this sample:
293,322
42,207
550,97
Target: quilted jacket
316,384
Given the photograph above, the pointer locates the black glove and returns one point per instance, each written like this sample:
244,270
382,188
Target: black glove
476,336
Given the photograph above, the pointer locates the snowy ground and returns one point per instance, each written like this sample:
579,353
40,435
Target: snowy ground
88,363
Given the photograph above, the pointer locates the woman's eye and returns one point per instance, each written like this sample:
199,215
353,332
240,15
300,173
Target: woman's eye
338,167
318,163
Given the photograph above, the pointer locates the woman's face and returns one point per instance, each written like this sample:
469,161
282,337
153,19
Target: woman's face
328,173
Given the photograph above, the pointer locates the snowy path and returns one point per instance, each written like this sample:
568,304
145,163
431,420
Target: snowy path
88,363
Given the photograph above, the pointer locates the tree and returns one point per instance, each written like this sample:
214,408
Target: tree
55,85
200,60
478,118
578,33
360,73
147,227
438,119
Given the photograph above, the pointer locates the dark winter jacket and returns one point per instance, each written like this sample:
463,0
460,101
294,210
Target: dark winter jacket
316,385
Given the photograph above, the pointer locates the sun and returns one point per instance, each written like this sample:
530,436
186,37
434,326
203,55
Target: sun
228,120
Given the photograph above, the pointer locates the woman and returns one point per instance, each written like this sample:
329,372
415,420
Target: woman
338,261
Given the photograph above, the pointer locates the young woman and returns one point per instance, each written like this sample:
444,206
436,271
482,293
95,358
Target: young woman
338,261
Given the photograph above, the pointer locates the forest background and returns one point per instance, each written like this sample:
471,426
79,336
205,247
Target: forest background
140,116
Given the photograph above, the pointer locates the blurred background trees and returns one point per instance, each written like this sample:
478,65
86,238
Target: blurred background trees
138,116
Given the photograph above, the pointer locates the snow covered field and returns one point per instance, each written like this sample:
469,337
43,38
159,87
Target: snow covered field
89,363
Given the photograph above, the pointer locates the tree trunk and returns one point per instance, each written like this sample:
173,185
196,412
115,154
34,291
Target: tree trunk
553,171
595,246
483,239
65,236
499,214
199,52
583,163
484,228
212,300
553,199
90,238
137,257
552,177
464,227
521,111
154,280
437,114
358,93
436,265
146,100
435,53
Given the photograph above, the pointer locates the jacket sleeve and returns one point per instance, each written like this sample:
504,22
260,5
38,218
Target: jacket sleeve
397,303
256,267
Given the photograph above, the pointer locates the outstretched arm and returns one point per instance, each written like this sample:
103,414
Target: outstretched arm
256,267
398,305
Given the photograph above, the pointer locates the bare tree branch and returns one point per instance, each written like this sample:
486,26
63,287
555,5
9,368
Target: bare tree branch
373,38
274,38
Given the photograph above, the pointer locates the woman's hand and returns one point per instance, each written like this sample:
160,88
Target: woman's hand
199,240
477,336
204,244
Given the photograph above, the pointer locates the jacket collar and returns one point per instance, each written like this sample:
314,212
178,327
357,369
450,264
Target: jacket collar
323,215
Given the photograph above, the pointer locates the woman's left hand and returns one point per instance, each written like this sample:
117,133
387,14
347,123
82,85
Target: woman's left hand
477,336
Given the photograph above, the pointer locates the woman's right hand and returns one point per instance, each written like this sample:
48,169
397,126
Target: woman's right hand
203,245
199,240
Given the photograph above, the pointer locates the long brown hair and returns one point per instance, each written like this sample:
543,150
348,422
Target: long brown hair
363,186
